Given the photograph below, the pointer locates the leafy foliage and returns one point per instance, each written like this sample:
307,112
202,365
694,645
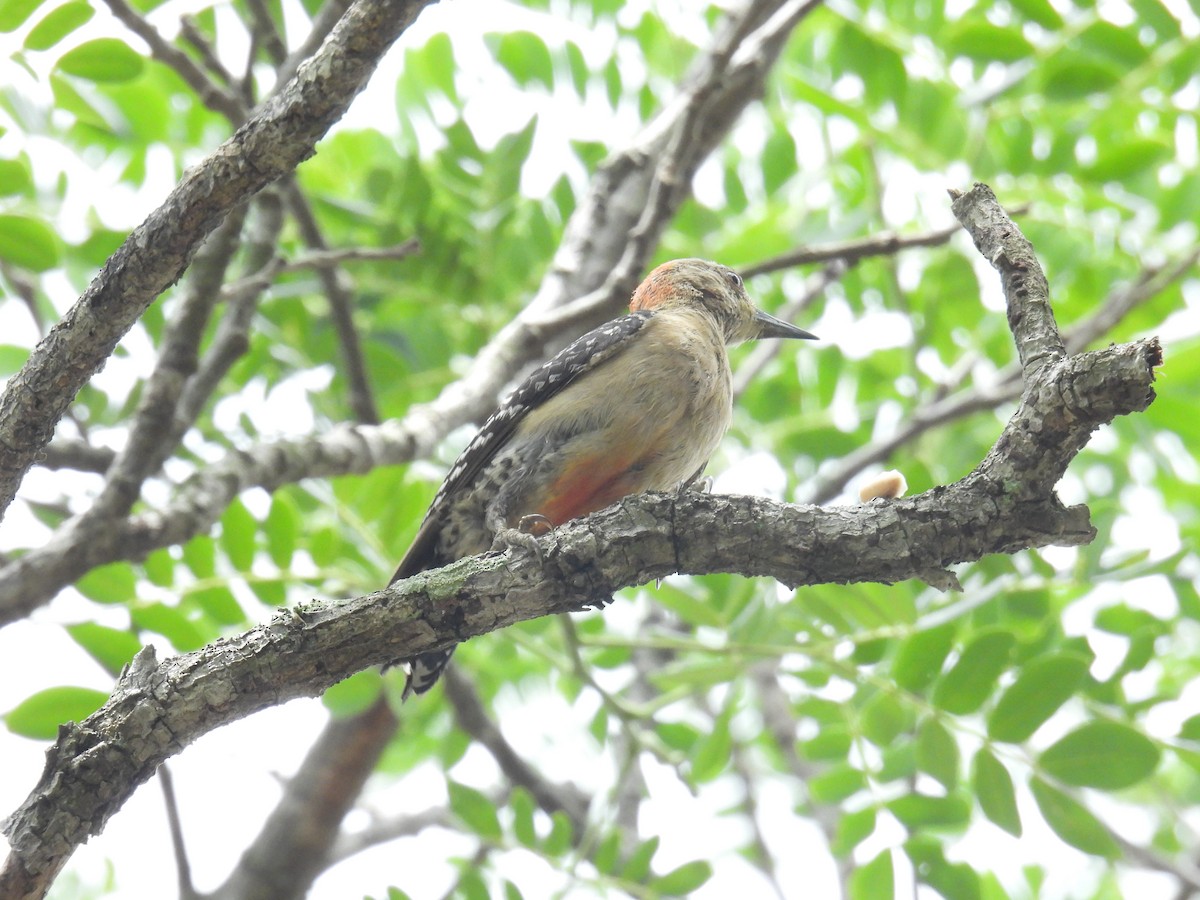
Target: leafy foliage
904,721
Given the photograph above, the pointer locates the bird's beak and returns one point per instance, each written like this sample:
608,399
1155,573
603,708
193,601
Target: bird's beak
771,327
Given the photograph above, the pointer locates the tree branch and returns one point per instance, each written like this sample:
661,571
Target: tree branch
341,309
1006,386
293,845
158,708
1006,504
472,718
1001,243
271,144
210,93
593,246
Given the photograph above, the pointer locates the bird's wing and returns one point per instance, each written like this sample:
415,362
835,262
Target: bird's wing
596,347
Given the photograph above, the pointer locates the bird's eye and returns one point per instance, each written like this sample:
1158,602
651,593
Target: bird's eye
734,278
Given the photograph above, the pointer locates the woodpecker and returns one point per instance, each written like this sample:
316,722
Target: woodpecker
638,404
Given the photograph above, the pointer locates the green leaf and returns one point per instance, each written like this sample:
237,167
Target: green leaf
15,179
270,591
955,881
1072,821
102,59
899,761
612,82
637,867
434,66
971,680
476,811
994,790
1045,684
1121,45
884,718
522,806
1106,755
607,853
677,735
836,783
920,657
778,160
852,829
355,694
28,243
874,880
831,742
471,885
57,24
1123,159
558,841
171,623
40,715
977,38
1040,11
159,567
112,583
524,55
577,63
111,647
1071,76
12,358
712,754
200,555
13,13
325,546
918,811
1190,729
238,531
937,752
282,528
218,602
683,880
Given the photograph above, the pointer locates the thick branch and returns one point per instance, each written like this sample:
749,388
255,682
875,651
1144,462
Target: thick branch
1001,243
272,143
157,709
302,827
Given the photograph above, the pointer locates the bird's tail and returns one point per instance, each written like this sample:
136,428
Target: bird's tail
424,671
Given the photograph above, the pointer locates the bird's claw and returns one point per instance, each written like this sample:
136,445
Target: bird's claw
525,535
535,524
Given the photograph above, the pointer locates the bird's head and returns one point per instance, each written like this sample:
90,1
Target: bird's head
716,290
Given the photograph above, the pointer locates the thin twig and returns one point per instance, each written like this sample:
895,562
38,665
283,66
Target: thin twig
68,453
187,890
191,33
944,407
267,35
471,717
231,340
210,93
382,831
272,142
146,448
341,309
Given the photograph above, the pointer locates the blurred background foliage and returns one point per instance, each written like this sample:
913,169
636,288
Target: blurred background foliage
931,738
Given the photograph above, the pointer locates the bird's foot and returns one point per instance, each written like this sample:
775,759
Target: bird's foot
525,535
